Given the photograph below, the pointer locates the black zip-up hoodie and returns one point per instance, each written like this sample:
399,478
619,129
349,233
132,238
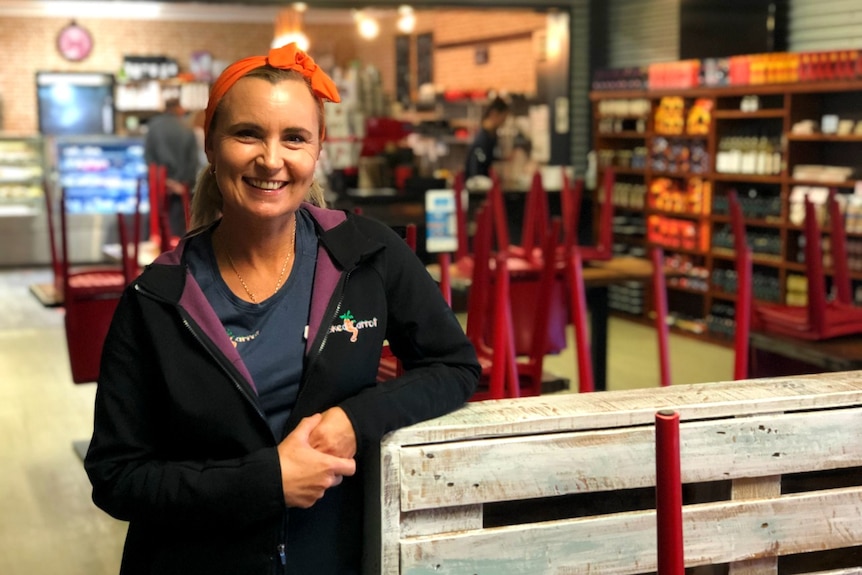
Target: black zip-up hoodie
181,449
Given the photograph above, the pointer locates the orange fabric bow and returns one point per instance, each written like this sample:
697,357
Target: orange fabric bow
287,57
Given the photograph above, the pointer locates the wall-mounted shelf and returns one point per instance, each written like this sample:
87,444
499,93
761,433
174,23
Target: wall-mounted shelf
766,184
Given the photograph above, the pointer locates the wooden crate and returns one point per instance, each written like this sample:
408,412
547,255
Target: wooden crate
564,484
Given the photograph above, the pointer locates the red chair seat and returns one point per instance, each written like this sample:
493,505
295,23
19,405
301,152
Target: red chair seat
838,319
86,323
90,296
96,281
819,319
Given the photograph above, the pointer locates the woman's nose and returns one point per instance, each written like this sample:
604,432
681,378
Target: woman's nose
270,156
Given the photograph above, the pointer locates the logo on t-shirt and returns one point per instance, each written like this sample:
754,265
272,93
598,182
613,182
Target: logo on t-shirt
237,339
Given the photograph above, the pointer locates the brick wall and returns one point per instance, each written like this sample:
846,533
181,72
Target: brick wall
511,64
28,45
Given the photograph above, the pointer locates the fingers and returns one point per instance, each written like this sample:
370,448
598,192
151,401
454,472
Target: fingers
334,434
306,472
307,425
343,465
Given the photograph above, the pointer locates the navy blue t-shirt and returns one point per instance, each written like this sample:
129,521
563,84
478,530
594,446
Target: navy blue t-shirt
270,335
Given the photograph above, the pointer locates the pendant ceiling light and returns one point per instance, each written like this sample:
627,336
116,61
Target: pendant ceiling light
288,27
366,24
406,19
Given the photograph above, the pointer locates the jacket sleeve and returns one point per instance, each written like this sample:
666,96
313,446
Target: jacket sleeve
144,465
441,370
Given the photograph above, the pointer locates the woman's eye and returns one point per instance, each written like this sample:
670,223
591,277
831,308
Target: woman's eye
294,139
246,134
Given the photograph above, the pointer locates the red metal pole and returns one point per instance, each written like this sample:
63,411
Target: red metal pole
445,260
574,267
660,299
668,494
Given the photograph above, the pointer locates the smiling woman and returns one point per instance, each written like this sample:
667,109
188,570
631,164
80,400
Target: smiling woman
238,412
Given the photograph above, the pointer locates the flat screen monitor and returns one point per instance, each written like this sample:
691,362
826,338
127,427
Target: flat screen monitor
101,174
75,103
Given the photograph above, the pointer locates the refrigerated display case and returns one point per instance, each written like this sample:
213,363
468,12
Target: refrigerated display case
100,175
23,223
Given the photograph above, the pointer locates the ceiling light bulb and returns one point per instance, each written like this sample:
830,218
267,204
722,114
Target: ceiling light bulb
368,28
406,19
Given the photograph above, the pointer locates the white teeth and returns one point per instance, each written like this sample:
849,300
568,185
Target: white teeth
265,184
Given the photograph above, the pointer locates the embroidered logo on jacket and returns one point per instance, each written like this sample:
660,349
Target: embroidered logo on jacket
350,325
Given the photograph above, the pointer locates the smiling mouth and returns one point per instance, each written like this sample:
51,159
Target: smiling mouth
269,185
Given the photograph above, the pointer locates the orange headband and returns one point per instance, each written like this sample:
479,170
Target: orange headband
287,57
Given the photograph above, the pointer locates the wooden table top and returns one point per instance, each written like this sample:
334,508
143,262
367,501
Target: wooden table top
147,252
596,273
835,354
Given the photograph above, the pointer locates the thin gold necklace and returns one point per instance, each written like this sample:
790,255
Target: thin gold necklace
251,295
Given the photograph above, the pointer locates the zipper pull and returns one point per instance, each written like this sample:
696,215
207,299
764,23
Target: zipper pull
281,554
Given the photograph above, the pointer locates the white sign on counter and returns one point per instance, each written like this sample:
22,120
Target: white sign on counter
441,231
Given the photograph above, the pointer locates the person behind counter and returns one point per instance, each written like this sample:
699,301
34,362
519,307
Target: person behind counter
171,142
237,414
483,150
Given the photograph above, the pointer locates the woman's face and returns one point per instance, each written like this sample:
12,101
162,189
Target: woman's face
264,146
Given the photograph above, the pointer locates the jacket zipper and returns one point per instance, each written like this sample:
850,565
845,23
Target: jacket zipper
218,359
236,383
282,556
316,353
280,547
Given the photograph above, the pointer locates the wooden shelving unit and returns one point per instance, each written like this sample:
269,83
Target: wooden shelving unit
620,140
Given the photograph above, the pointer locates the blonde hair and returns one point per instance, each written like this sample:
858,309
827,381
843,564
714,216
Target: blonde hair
207,201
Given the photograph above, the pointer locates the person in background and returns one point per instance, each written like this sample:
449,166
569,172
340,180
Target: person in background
483,150
237,414
170,141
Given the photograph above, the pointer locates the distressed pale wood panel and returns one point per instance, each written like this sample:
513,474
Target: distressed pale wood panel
753,488
442,520
572,412
548,465
624,543
819,430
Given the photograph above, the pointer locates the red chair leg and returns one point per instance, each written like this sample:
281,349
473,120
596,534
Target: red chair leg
814,270
742,313
579,321
444,260
660,299
502,384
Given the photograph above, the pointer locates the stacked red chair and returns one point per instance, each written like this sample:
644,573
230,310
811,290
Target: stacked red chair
820,318
90,296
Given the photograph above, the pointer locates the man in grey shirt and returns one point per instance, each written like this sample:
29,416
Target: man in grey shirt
171,142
